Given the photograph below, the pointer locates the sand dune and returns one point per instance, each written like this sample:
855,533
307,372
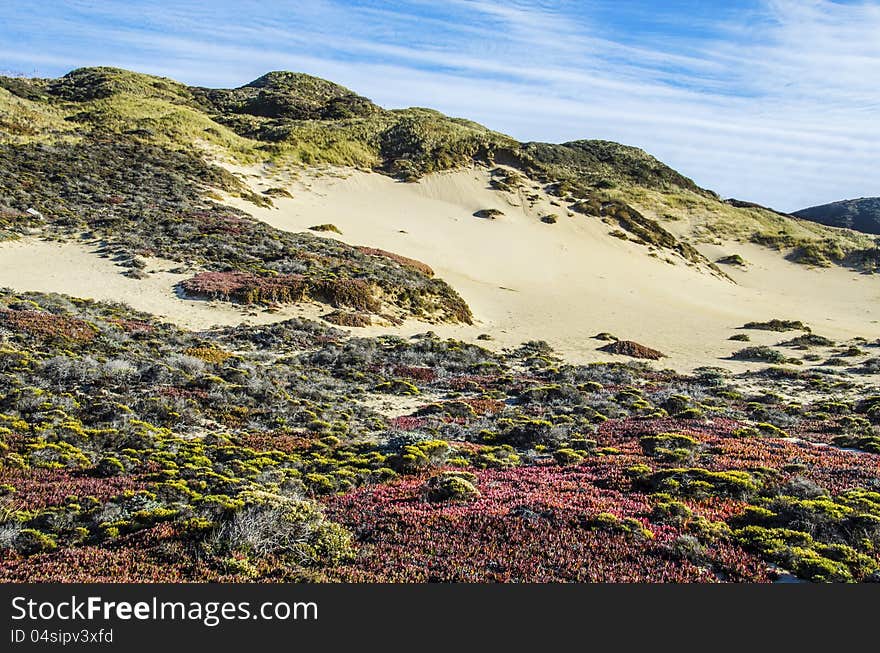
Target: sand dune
523,279
565,282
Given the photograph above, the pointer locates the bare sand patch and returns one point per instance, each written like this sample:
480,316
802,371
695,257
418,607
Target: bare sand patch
523,278
77,269
564,282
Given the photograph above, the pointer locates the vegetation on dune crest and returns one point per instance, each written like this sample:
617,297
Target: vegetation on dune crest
800,241
296,118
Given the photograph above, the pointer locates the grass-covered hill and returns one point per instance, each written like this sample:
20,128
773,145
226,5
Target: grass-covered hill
862,214
299,120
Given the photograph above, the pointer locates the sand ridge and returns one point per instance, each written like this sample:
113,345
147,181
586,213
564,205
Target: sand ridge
565,282
524,279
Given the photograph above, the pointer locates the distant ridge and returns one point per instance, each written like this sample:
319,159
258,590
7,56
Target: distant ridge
861,214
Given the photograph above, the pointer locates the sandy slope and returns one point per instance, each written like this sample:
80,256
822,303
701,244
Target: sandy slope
77,269
523,279
567,281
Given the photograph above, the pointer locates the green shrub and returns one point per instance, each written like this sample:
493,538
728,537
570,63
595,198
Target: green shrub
761,353
567,456
109,466
30,541
451,486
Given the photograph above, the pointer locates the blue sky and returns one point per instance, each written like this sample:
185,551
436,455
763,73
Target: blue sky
775,101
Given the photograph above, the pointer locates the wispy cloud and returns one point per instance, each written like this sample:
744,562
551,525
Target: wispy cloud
770,100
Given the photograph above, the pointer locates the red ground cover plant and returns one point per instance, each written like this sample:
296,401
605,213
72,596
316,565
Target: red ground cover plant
47,325
535,524
275,442
425,374
403,260
246,287
40,488
155,555
407,423
133,326
484,406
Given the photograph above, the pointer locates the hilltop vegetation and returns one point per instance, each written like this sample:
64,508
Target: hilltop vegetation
295,119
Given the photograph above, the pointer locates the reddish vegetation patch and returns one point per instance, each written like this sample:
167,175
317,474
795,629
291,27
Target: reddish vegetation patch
250,288
534,524
632,349
836,469
48,325
275,442
412,263
211,222
133,326
407,423
348,319
246,287
484,406
150,556
39,488
425,374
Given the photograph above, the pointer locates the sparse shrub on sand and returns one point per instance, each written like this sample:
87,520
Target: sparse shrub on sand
348,319
808,340
777,325
732,259
277,192
488,214
326,227
632,349
761,354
